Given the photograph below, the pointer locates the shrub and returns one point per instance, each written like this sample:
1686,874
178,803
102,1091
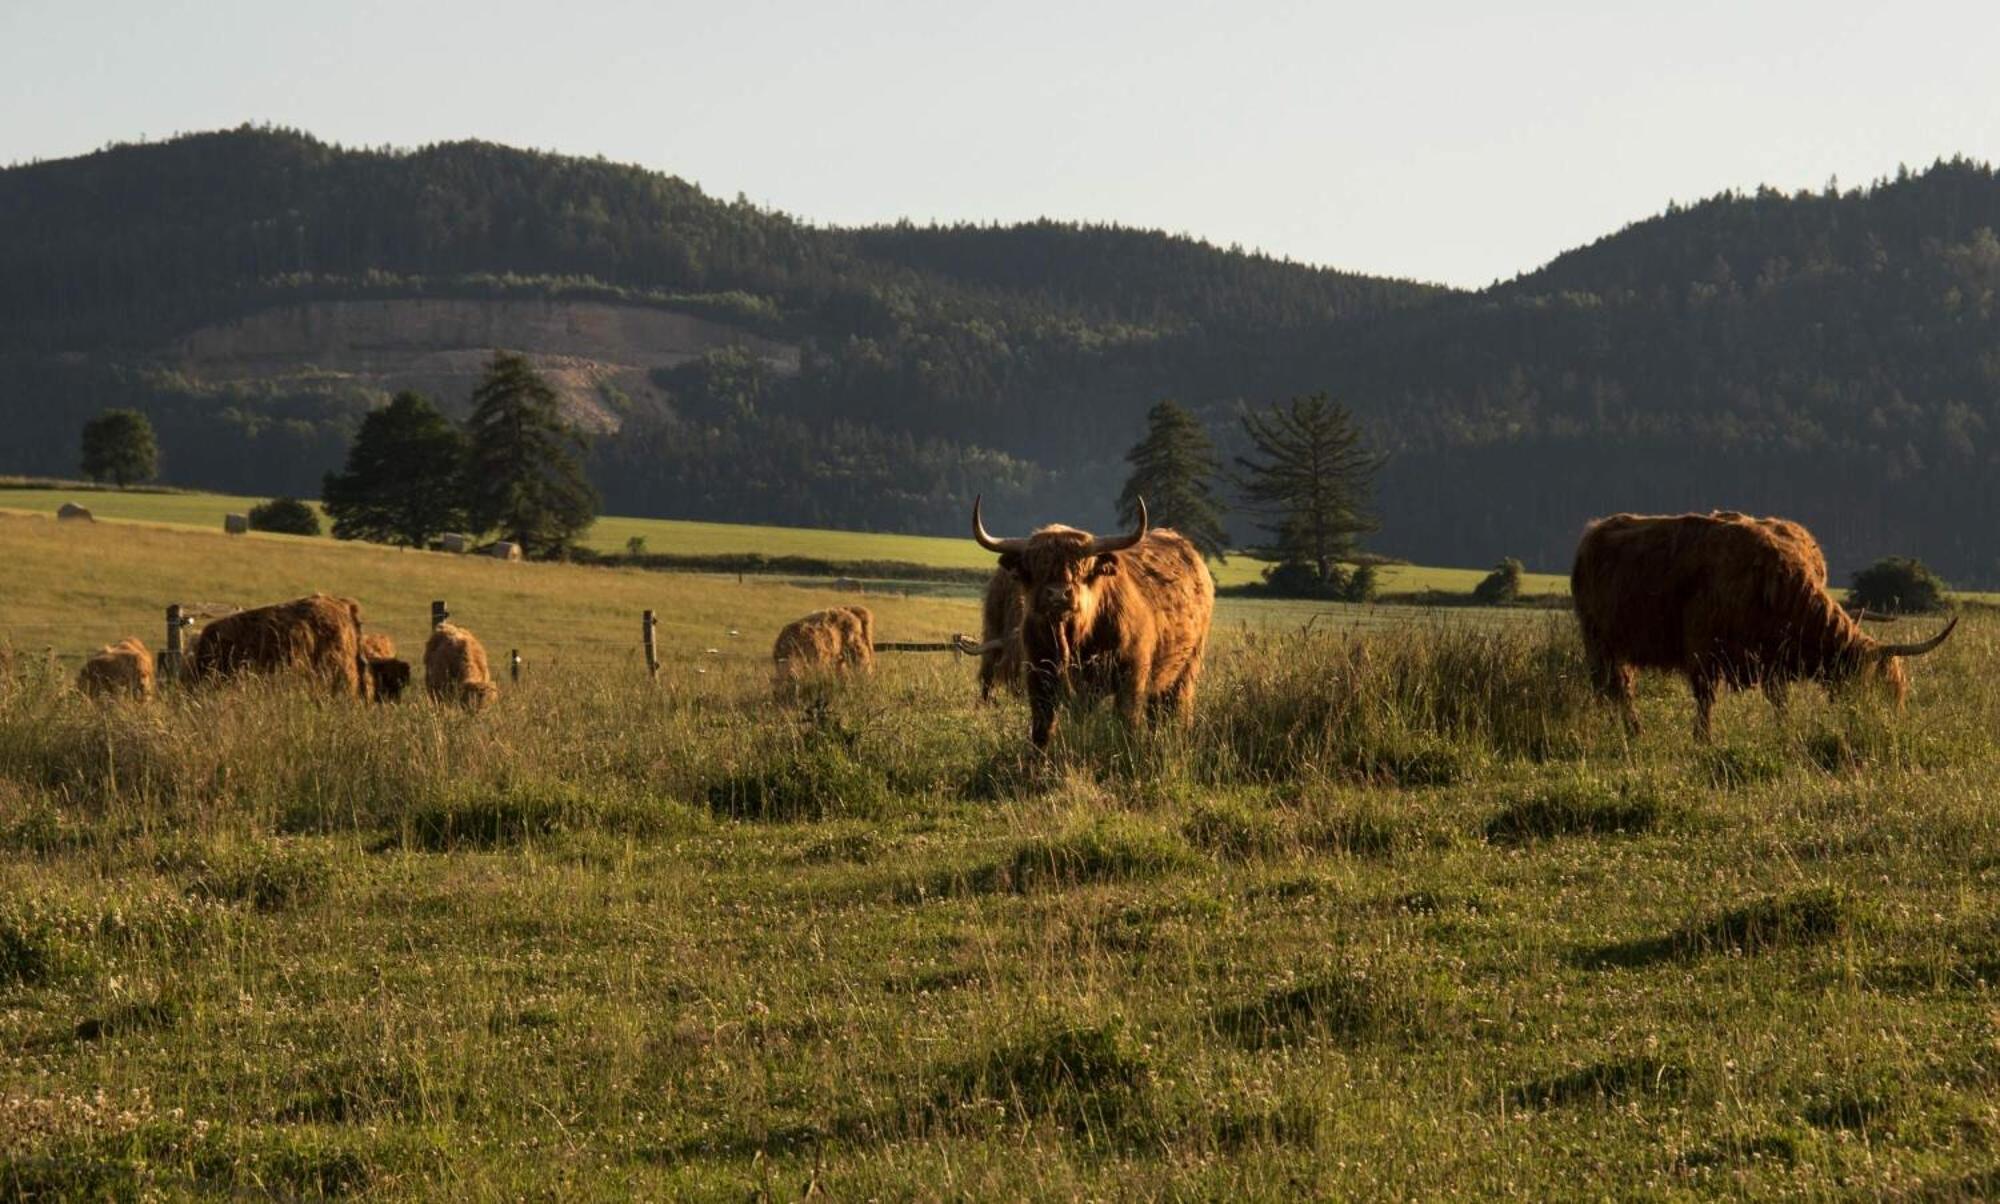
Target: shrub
1897,585
1501,586
286,516
1360,584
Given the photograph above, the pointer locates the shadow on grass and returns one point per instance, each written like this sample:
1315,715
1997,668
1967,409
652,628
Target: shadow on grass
1600,1082
1109,851
1775,922
1578,808
1343,1006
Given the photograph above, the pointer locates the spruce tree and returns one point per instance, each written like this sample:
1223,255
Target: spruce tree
118,446
1174,469
522,477
1309,478
403,478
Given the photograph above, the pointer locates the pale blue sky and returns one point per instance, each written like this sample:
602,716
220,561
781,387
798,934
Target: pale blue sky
1448,141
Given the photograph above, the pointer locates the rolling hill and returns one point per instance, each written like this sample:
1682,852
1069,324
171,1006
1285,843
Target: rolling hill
1826,355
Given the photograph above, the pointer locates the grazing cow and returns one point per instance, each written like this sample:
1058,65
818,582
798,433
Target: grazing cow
1126,615
1723,601
826,643
384,676
318,636
455,668
121,669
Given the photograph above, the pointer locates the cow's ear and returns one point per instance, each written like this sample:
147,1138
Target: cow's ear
1011,561
1107,565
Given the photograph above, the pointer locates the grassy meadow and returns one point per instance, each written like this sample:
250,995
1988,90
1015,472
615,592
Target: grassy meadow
610,533
1404,915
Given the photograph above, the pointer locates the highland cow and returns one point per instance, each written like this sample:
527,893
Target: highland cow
317,636
1002,664
1124,615
455,668
384,675
123,669
1723,601
834,642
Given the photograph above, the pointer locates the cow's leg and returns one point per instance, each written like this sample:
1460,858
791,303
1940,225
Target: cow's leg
1703,686
1044,692
1618,683
1132,682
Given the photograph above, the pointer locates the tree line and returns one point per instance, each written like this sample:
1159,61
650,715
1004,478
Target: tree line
1824,355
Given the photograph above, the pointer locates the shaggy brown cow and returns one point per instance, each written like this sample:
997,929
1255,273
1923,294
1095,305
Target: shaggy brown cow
384,675
831,642
319,636
455,668
1723,601
124,668
1001,661
1126,615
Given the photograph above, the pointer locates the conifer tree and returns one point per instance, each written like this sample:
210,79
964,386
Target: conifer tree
522,476
1174,468
1309,478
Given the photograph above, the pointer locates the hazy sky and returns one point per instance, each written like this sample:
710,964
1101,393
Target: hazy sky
1455,141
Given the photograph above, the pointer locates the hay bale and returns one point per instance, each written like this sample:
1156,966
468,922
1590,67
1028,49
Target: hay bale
453,542
120,670
236,524
455,668
830,643
318,636
501,549
70,510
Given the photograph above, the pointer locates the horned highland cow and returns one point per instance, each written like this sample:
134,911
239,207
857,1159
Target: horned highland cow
317,636
455,668
1723,601
834,642
1125,615
123,669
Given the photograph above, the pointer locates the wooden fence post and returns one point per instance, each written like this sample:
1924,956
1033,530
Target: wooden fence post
170,660
648,624
438,613
514,666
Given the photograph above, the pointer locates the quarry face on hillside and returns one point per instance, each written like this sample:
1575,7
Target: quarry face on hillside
597,355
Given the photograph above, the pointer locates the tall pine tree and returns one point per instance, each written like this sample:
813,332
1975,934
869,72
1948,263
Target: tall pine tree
522,477
1174,468
402,480
1309,478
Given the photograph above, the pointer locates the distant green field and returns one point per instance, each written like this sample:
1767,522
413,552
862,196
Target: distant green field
679,537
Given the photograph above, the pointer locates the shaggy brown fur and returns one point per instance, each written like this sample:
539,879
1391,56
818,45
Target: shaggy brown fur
455,668
1785,531
319,636
1002,664
826,643
1131,623
1723,601
121,669
384,677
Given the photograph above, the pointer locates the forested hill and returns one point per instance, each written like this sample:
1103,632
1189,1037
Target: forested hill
1831,356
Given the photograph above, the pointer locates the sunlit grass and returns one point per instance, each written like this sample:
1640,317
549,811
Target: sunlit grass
1403,915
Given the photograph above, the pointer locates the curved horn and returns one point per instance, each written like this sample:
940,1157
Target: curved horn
1118,543
1888,650
987,541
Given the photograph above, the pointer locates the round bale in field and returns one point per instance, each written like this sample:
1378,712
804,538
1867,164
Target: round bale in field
120,670
70,510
